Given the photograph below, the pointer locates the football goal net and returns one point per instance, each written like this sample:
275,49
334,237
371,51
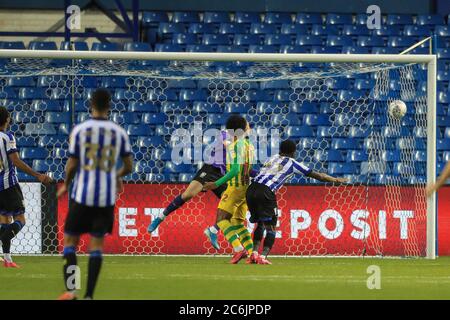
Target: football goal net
335,107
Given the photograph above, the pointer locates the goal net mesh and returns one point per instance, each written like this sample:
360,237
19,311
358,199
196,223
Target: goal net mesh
337,113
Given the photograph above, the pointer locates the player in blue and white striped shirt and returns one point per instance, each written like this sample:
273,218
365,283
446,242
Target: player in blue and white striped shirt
11,198
94,149
261,198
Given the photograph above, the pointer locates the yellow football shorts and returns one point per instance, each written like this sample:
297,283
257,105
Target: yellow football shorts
233,201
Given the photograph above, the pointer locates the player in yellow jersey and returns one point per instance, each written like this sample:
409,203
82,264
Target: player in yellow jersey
232,209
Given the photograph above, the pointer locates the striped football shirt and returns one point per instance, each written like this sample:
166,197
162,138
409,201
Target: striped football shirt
277,170
8,172
98,144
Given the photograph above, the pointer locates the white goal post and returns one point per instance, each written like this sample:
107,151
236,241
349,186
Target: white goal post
345,59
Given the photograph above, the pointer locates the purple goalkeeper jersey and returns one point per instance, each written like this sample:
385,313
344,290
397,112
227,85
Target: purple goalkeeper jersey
216,161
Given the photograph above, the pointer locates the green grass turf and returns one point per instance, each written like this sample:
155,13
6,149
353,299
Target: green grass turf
157,277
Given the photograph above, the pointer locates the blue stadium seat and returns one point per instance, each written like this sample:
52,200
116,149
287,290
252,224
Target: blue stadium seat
277,17
137,46
426,19
138,130
412,143
277,39
339,168
184,38
206,107
282,95
291,119
74,45
170,28
328,156
370,41
233,28
361,19
263,28
202,28
46,105
391,155
357,131
163,154
25,141
20,82
403,169
337,18
165,47
344,144
105,46
400,42
17,45
294,49
316,120
154,118
185,17
416,31
337,83
443,53
443,144
288,28
53,141
153,18
442,31
26,117
32,93
186,177
42,45
171,167
324,30
262,49
247,17
420,156
275,84
231,107
216,119
321,49
181,84
308,18
147,166
152,141
216,17
388,30
304,107
385,50
216,39
356,50
191,95
357,156
33,153
57,117
247,39
10,93
308,41
395,131
199,48
312,143
126,118
299,131
372,167
64,129
399,19
355,30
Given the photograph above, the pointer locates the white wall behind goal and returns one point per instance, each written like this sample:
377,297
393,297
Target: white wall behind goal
29,240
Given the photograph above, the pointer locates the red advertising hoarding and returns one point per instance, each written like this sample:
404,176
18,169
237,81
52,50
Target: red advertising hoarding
313,220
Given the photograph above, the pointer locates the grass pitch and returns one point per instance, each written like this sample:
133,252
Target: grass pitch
159,277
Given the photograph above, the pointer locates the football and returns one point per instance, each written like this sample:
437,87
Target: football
397,109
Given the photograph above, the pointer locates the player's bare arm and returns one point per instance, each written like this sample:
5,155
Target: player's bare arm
440,180
71,169
325,177
15,159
